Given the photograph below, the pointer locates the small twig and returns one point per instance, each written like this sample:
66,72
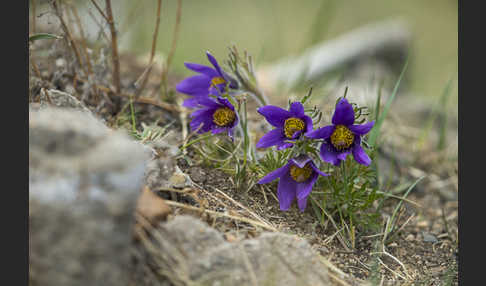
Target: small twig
114,47
85,48
248,265
175,36
83,38
220,214
146,74
100,11
167,106
102,29
68,33
32,2
241,206
34,66
396,260
183,118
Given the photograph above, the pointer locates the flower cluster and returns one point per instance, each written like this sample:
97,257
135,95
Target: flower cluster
207,91
339,139
211,94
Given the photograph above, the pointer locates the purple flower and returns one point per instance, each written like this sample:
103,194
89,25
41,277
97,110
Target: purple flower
343,136
215,115
208,81
289,125
296,180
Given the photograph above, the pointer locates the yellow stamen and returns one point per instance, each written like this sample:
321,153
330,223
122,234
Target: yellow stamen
342,137
223,116
293,125
217,80
300,174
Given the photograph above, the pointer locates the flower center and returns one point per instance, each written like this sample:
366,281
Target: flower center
223,116
300,174
293,125
342,137
217,80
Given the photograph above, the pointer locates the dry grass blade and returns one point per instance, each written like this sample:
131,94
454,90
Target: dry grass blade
100,10
69,37
219,214
167,106
146,73
32,3
243,207
248,265
175,36
83,38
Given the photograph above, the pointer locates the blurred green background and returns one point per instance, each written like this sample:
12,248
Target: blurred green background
272,29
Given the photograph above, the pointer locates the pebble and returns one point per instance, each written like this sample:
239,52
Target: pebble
410,237
429,237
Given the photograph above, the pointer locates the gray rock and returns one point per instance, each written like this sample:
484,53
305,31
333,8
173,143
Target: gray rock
84,180
57,98
428,237
186,251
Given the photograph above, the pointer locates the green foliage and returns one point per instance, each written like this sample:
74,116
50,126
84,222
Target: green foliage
43,36
375,132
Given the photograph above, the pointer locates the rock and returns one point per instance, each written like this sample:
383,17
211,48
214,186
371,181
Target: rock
189,252
152,207
84,180
428,237
179,179
53,97
410,237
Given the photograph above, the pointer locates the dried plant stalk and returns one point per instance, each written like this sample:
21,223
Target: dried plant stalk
146,74
175,36
68,33
114,47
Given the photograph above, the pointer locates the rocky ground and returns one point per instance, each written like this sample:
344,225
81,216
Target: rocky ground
109,206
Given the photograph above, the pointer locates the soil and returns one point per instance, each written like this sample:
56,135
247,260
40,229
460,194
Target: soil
427,246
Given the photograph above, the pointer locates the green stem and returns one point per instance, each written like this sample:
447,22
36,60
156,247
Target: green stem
133,116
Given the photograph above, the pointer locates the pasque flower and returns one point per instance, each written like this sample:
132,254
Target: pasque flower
216,115
297,178
343,136
289,125
210,80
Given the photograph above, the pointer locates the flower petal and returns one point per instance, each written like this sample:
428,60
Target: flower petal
328,154
208,71
218,129
314,167
303,191
209,102
226,102
323,132
204,116
286,191
304,188
343,154
301,160
274,114
194,85
191,102
343,114
360,155
272,138
275,174
302,203
284,145
309,126
214,62
297,109
362,129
